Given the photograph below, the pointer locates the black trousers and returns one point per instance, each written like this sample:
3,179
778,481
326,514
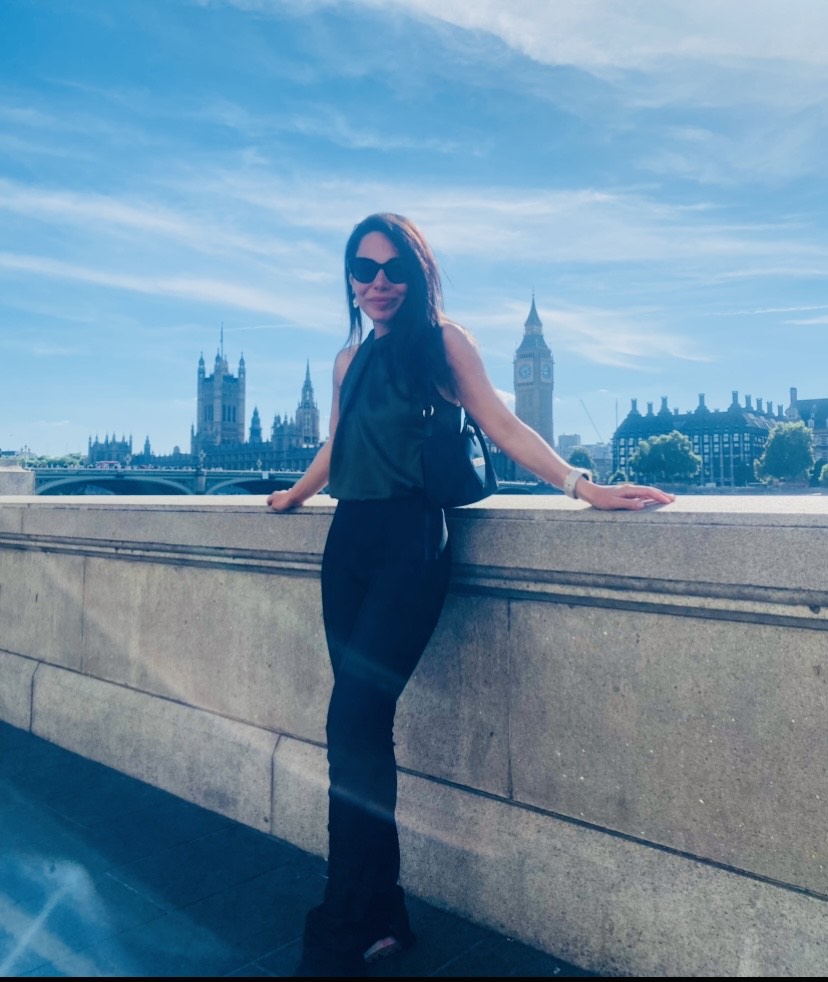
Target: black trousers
385,576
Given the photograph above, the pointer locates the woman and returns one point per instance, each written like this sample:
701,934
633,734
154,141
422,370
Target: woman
385,568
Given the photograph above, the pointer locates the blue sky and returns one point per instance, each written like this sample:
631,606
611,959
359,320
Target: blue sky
654,171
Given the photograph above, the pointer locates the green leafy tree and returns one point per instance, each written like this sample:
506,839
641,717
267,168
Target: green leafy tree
580,457
823,476
669,457
67,460
788,454
617,477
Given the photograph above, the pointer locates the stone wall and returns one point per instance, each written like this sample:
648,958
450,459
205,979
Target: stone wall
614,747
15,479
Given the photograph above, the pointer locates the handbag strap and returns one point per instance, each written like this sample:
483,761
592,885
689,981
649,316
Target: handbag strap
430,410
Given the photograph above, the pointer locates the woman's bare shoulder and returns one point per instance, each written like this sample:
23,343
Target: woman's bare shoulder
455,336
463,358
343,360
460,346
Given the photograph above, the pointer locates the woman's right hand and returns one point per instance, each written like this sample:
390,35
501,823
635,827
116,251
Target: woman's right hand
281,500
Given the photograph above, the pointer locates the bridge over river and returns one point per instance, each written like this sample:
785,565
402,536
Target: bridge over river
158,480
185,480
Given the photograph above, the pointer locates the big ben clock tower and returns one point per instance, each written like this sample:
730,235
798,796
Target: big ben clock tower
535,378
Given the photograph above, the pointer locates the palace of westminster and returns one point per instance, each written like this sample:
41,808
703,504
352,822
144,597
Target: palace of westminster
728,441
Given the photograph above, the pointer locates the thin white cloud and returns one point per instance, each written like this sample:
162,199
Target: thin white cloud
54,350
82,208
808,321
787,271
771,310
101,215
602,34
335,127
635,340
202,290
531,225
288,233
40,349
320,121
769,149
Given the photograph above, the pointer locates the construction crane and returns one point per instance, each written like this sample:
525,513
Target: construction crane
600,438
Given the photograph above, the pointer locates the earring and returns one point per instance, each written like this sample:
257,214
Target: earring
354,302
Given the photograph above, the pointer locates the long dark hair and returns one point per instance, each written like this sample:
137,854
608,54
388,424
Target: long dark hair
416,328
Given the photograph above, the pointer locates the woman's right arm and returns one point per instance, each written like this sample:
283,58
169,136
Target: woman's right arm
316,476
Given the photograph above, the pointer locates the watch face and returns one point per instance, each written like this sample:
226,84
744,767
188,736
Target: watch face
524,371
546,372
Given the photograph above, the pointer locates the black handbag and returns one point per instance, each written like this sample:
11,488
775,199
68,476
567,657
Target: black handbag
457,468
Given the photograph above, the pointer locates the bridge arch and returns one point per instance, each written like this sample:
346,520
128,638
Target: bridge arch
252,485
112,484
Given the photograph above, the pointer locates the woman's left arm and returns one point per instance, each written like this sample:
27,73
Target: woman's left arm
521,442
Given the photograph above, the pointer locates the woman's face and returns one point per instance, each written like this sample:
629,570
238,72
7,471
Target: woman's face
381,298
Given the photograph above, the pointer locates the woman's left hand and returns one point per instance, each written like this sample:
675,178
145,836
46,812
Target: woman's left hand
611,497
282,500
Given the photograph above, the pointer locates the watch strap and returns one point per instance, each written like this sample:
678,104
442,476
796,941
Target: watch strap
572,479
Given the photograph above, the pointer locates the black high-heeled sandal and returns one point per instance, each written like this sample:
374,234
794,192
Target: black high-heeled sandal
330,949
387,924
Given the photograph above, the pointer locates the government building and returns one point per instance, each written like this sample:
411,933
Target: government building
217,438
728,441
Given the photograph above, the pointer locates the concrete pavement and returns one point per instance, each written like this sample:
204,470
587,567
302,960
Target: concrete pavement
103,875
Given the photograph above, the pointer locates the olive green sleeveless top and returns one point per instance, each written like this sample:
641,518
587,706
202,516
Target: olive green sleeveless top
378,444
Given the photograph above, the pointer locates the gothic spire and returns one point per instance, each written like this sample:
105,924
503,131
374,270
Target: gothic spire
533,325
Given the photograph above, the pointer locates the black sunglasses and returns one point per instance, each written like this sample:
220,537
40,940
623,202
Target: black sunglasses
365,270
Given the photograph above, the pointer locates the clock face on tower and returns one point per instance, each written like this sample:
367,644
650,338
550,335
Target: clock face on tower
524,372
546,372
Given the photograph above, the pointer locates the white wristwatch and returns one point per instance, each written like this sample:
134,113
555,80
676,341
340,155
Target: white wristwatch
572,479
